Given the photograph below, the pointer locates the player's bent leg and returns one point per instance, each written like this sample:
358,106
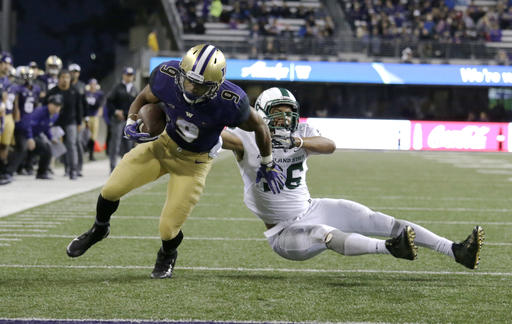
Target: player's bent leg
351,244
137,168
183,193
350,216
300,242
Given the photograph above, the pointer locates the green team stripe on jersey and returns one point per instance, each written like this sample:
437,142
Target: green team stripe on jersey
284,92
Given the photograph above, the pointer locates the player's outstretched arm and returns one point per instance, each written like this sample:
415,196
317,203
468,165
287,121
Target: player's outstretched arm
233,143
316,144
269,170
256,124
144,97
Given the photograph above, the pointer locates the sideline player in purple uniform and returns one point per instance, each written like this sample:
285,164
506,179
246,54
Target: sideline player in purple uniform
50,78
199,104
28,101
36,124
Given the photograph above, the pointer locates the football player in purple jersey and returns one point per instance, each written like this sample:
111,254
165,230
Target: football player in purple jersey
199,103
50,79
36,127
28,101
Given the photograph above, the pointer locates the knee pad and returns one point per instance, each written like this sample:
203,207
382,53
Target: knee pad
335,241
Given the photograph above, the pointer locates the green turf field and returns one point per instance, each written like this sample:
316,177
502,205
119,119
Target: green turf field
226,270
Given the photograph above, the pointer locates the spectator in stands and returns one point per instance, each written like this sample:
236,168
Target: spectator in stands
118,104
495,32
483,117
216,9
406,55
70,119
502,57
37,131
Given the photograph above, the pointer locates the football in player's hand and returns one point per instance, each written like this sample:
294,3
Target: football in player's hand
153,119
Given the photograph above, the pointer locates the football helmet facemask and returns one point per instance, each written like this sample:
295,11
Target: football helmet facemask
53,65
202,71
278,121
25,74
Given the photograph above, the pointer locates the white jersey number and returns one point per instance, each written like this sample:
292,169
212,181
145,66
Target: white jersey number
29,105
188,131
291,181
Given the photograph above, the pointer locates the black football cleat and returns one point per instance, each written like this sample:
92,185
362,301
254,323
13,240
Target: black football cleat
164,265
467,252
79,245
403,245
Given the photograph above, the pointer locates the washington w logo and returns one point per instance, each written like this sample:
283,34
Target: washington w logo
189,114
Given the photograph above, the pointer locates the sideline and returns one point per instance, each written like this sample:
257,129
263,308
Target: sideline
26,192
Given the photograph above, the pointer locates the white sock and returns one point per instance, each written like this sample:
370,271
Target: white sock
357,244
430,240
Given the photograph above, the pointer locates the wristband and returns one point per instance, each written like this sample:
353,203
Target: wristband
266,159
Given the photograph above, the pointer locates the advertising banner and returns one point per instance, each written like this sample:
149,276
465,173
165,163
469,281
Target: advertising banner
459,136
368,73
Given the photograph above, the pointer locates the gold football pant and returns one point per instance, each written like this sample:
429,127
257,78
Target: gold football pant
7,136
94,125
149,161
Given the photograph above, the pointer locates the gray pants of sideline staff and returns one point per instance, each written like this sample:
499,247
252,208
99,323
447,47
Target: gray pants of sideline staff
117,145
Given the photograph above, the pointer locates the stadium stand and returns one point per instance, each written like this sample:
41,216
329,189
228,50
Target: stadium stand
435,31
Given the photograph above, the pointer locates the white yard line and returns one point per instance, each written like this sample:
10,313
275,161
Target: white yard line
255,219
447,209
192,238
241,269
164,321
29,222
26,225
23,230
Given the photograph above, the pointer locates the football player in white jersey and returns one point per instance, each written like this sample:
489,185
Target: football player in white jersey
300,227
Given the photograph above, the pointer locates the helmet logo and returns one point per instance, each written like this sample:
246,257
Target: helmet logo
203,58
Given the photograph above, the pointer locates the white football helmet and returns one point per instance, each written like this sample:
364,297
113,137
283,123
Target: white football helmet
278,96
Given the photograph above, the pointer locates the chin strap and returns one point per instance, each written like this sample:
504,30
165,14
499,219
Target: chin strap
192,101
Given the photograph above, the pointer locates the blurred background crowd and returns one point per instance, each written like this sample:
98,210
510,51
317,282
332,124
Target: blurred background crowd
78,64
